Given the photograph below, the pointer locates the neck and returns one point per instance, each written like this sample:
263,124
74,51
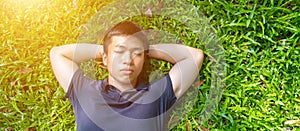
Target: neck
122,86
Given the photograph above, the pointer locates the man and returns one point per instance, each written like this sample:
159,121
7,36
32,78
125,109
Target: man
122,101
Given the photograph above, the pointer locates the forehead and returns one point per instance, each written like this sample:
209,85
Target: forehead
126,42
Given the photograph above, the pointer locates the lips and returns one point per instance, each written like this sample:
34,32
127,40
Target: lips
127,71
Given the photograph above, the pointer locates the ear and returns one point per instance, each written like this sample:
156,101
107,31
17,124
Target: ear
104,59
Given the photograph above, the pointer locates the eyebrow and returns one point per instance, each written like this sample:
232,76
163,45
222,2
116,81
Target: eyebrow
122,46
137,48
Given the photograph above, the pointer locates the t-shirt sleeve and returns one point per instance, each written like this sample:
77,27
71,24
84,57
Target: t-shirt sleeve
169,94
76,84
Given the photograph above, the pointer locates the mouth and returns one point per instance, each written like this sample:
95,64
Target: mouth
127,71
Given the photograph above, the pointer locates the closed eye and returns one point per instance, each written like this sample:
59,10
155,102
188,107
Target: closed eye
118,51
138,53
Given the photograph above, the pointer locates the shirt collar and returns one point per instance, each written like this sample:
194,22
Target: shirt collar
106,87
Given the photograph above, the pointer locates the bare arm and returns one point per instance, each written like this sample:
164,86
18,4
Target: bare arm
65,60
187,60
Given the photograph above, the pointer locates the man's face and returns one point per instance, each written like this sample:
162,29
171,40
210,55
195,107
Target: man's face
124,59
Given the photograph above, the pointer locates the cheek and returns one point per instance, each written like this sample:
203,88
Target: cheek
113,57
112,62
139,62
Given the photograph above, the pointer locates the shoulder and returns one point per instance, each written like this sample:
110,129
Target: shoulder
164,91
82,83
163,86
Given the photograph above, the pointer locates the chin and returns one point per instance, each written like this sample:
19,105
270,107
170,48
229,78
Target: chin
127,80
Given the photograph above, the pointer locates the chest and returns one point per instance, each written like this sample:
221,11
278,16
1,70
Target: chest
138,105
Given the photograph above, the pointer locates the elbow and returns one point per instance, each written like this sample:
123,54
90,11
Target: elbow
54,52
199,57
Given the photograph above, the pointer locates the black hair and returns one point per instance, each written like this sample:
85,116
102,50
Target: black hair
127,28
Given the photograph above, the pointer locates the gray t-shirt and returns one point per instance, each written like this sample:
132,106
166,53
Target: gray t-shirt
100,106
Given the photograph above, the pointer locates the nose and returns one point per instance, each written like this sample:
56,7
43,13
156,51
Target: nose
127,58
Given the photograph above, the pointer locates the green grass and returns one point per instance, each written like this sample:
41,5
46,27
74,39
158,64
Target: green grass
261,41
